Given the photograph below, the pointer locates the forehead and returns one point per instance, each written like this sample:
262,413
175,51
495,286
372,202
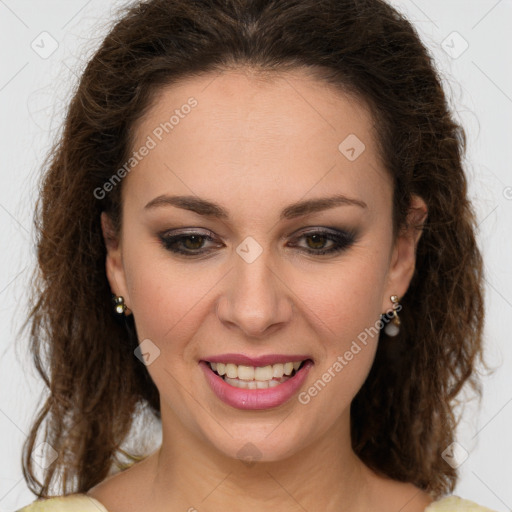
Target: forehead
245,104
284,132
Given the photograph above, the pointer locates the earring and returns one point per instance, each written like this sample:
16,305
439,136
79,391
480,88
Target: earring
119,305
393,327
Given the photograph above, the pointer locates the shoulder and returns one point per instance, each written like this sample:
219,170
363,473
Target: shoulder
455,504
70,503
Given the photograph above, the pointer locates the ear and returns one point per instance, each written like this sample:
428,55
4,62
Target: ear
403,259
114,261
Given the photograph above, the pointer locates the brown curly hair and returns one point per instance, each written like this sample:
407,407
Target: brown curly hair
402,418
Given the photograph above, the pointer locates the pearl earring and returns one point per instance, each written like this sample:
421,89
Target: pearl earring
119,305
393,327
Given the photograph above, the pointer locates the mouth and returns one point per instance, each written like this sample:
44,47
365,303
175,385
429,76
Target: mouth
256,377
259,382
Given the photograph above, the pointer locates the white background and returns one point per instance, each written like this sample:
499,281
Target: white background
33,95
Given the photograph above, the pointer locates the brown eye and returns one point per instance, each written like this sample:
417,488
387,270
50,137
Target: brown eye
195,242
188,244
316,241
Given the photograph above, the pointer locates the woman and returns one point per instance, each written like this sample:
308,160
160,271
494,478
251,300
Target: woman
272,193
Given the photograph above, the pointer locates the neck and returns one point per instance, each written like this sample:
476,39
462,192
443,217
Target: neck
190,474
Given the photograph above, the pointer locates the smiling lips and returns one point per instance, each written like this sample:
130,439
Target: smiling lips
255,383
257,372
255,377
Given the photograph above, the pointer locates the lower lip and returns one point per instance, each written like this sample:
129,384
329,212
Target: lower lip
255,398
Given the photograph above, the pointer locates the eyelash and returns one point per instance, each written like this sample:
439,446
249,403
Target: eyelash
342,241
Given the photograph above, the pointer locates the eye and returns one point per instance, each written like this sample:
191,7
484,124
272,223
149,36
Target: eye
188,244
316,241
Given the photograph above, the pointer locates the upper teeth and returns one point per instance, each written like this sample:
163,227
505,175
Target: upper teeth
260,373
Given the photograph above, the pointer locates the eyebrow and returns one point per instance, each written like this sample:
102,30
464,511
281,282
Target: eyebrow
292,211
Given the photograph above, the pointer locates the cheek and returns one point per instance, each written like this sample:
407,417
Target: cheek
343,309
345,299
164,295
345,313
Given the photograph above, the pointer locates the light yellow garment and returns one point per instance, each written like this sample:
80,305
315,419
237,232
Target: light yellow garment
70,503
454,504
84,503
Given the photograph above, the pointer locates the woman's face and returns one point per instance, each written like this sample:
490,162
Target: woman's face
259,161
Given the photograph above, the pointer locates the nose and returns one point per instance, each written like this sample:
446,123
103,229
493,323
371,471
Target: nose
256,297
